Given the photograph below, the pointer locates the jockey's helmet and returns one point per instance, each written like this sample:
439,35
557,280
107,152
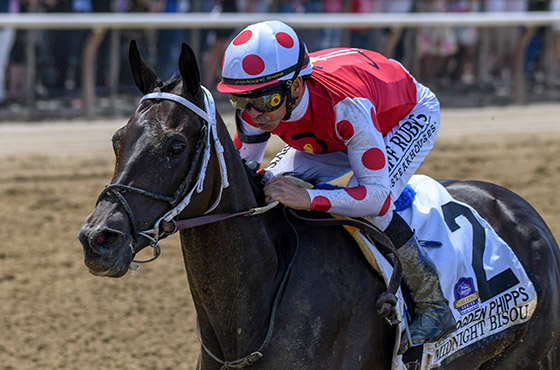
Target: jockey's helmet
263,54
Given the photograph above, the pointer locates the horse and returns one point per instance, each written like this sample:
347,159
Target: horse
270,291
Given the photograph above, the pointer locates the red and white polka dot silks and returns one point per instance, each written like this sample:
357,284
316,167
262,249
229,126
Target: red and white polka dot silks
260,55
360,111
368,160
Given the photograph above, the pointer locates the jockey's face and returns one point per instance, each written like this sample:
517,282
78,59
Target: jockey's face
268,121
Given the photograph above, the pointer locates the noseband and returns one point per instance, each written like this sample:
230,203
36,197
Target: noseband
180,199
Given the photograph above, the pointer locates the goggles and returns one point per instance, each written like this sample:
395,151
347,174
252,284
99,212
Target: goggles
265,101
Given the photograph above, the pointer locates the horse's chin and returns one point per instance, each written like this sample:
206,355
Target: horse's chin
98,273
114,268
113,273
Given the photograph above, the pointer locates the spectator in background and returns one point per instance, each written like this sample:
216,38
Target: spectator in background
17,77
331,37
103,52
123,80
501,42
204,34
6,42
217,42
467,42
151,35
75,43
362,37
555,6
169,41
312,35
55,50
393,39
287,6
256,6
436,45
535,55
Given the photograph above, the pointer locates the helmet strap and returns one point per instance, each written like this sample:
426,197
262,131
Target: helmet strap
290,100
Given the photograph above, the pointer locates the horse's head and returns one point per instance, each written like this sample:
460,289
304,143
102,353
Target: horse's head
158,157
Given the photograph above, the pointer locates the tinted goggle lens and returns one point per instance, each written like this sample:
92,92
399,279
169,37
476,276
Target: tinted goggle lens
264,103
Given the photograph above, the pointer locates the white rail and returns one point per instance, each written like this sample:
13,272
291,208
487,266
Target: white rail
298,20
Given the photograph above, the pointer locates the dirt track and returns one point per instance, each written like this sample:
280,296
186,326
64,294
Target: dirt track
55,315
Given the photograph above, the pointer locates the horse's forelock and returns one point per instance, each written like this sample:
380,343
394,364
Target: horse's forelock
175,85
172,83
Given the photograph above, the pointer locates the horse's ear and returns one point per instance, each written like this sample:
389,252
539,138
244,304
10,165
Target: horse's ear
188,68
144,76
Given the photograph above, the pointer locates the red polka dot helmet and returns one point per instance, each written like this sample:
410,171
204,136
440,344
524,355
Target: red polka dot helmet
263,54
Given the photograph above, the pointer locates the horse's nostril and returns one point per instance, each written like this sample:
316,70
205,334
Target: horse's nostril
101,239
108,238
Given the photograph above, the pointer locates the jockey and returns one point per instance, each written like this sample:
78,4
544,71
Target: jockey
339,110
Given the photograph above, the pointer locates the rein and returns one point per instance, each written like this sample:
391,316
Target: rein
187,223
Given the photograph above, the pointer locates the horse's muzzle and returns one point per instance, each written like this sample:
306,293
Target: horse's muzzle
106,251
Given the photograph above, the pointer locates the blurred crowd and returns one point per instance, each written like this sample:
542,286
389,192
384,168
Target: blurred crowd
437,55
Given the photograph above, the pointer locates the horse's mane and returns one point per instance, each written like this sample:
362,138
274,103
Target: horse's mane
255,180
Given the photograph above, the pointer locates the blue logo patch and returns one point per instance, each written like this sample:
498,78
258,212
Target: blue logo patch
466,297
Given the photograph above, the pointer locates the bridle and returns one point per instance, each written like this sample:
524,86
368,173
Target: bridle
181,198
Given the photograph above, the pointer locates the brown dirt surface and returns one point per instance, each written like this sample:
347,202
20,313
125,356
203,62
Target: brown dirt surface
55,315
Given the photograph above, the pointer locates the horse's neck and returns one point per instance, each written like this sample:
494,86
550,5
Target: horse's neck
232,269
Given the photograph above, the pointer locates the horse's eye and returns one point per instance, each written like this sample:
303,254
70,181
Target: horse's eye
176,148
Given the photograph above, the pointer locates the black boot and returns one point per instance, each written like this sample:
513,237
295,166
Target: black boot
433,318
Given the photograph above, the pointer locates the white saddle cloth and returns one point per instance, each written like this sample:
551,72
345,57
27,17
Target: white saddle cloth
488,289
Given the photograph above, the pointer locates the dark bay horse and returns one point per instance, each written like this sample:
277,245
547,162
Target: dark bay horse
269,291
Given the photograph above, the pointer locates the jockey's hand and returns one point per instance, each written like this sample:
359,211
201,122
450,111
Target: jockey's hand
287,193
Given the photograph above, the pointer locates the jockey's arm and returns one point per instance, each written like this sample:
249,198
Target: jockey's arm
251,143
368,192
